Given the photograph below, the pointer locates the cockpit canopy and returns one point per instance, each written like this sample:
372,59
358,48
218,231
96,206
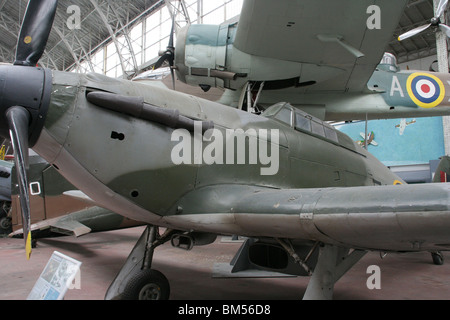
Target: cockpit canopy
389,63
301,121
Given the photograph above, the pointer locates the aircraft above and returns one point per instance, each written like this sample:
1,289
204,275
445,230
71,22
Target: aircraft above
324,57
313,200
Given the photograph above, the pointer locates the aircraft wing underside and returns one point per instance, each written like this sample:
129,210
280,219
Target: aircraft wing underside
58,225
397,218
321,33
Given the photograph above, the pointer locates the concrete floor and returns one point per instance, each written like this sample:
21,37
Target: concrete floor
403,276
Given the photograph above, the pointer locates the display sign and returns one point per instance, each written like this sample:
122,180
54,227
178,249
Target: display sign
56,279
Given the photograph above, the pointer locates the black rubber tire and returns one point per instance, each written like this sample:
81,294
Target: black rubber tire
438,258
147,285
5,226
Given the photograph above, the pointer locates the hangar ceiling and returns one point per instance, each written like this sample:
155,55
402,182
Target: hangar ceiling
105,20
102,22
417,13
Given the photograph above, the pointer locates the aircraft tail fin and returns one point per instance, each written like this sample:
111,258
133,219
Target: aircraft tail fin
442,173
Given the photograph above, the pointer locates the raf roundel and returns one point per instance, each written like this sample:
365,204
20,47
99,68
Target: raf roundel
426,90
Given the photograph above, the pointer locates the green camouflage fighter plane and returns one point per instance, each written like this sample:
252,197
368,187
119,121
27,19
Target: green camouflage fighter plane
200,169
321,56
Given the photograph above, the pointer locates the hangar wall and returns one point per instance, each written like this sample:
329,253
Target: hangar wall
398,142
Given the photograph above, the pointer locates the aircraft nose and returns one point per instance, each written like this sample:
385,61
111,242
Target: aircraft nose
27,88
24,100
25,92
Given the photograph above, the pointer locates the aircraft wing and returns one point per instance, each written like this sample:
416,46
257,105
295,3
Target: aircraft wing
58,225
397,218
306,31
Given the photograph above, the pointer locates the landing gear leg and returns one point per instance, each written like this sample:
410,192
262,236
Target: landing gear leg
438,258
136,280
333,263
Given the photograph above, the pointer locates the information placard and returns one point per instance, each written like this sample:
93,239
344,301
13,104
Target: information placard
56,279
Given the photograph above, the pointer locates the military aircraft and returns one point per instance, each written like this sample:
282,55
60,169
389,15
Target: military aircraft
309,195
282,51
403,124
369,139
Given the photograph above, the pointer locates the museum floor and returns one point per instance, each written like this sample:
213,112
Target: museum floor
193,275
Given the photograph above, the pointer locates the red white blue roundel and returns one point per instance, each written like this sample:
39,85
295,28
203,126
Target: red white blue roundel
426,90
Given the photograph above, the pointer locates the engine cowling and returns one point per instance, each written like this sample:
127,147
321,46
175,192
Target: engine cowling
205,56
201,55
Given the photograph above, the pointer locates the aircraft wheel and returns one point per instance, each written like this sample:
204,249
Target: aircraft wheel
5,225
147,285
438,258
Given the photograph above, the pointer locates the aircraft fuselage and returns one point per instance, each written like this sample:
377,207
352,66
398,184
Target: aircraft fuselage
134,163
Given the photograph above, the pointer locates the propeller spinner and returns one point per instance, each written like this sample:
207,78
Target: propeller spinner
25,96
434,22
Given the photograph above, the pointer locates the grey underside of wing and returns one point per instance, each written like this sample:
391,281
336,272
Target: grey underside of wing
290,30
58,225
397,218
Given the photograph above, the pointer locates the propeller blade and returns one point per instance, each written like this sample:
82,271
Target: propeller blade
172,34
35,31
18,121
165,57
441,8
172,73
413,32
446,29
169,54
